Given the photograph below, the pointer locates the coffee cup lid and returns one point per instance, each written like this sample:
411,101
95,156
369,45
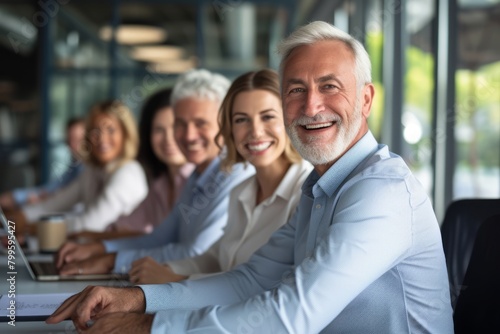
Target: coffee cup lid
52,217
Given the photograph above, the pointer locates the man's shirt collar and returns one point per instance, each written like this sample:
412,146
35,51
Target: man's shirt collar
340,170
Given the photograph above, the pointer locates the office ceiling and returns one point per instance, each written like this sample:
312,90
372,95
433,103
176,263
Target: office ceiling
222,35
478,31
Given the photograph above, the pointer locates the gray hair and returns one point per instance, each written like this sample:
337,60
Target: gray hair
321,31
200,84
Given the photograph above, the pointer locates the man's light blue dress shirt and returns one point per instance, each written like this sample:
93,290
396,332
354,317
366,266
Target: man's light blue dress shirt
194,224
363,254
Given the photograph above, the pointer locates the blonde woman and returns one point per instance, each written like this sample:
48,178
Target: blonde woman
253,131
166,168
112,183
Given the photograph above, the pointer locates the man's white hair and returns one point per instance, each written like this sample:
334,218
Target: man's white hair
200,84
321,31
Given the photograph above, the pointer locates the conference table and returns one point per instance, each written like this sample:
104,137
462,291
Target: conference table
25,285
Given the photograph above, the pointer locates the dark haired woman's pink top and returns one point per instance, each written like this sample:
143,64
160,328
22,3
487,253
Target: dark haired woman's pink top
156,206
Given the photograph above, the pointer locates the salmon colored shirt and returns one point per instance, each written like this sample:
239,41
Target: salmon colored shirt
156,206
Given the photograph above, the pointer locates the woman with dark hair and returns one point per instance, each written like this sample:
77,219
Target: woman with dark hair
151,134
165,165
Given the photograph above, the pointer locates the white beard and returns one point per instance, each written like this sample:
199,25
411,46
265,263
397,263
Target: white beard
322,155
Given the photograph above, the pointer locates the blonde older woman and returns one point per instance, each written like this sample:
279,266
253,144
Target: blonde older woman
112,183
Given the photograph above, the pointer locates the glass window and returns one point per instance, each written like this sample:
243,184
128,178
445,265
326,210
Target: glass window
75,39
374,45
477,123
134,90
418,91
70,95
240,37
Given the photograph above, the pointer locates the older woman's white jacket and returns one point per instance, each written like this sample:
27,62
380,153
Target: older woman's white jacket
106,195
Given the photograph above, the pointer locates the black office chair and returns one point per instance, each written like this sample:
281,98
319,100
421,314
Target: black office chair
478,306
459,229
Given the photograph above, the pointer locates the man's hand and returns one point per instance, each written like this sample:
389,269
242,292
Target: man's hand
100,264
96,301
148,271
72,252
122,323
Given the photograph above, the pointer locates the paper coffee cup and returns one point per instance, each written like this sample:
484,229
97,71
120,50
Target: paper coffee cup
51,232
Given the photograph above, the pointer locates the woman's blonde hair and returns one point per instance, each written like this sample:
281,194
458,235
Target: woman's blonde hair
128,125
265,79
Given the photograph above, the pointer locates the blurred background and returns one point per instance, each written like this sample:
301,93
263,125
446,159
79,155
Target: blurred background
436,68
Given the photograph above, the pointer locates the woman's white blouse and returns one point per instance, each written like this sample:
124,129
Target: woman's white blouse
105,197
249,226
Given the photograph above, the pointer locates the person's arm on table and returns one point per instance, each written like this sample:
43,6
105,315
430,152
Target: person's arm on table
122,322
262,272
22,196
360,247
87,236
74,252
100,264
71,174
37,194
61,201
161,234
100,302
126,188
95,301
71,251
148,271
200,217
205,228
